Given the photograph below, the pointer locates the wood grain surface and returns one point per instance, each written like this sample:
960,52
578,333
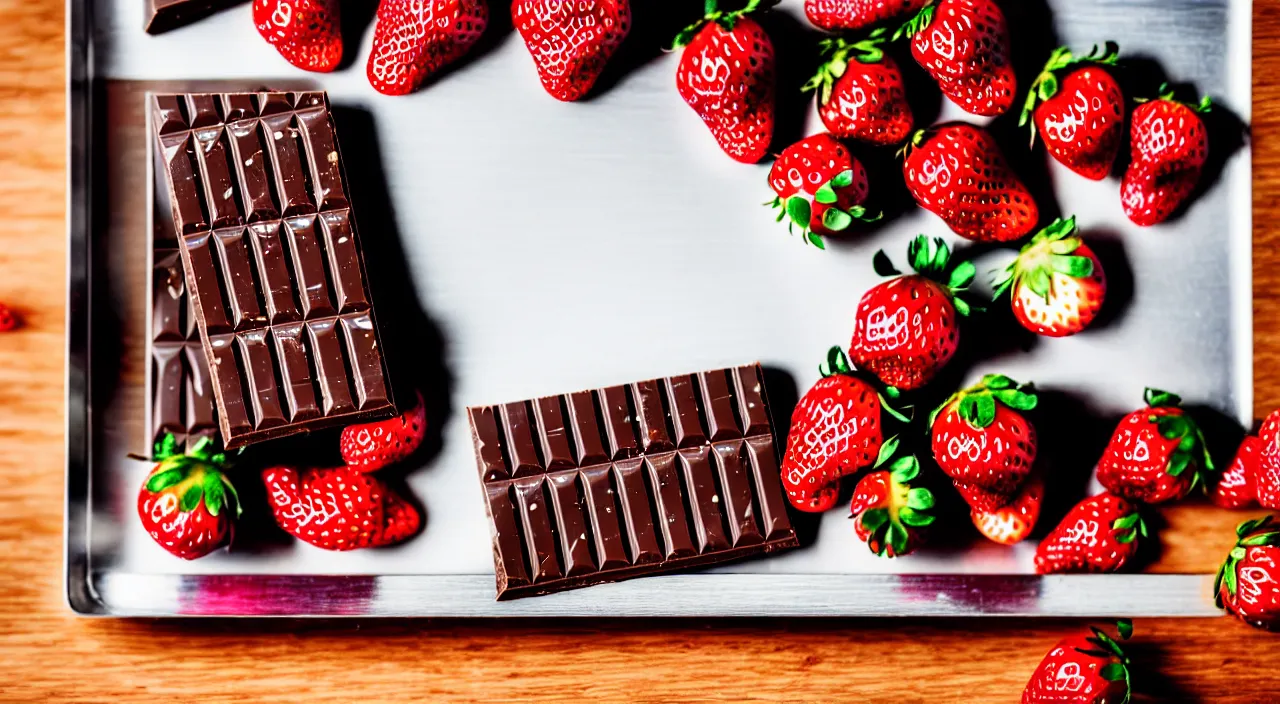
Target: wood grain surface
46,654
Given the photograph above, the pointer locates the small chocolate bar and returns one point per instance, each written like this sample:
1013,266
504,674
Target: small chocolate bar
164,15
630,481
272,260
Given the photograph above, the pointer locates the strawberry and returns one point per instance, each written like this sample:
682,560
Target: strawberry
305,32
1013,522
368,447
861,94
8,319
857,14
1100,534
1082,117
889,514
1237,487
820,186
338,508
835,431
957,172
1083,669
1248,582
1156,454
413,40
980,439
187,504
964,45
571,40
1168,145
727,75
1266,480
905,330
1057,284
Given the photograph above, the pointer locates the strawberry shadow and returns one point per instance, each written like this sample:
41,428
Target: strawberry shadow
650,37
796,46
888,195
1222,433
1033,37
356,19
1146,655
1071,436
1110,248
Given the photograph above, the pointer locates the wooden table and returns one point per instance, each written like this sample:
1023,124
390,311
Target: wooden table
46,653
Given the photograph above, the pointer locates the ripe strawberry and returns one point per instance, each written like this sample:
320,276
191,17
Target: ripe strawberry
368,447
835,431
1169,146
889,514
413,40
1012,523
1083,669
820,186
727,75
857,14
1099,535
338,508
1266,480
1156,454
957,172
1237,487
905,330
1057,284
980,439
964,45
861,93
305,32
1248,583
1081,119
571,40
8,319
187,504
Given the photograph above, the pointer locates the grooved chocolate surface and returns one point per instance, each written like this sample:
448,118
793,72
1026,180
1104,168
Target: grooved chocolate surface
629,481
273,261
164,15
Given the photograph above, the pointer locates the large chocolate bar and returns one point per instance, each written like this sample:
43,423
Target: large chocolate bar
629,481
273,262
164,15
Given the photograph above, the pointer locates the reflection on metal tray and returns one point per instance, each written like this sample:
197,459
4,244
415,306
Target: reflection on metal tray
598,243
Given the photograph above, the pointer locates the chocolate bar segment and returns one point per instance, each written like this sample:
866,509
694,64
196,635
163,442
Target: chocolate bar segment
272,257
164,15
629,481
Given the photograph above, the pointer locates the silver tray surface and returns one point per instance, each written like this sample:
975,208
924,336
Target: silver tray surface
599,243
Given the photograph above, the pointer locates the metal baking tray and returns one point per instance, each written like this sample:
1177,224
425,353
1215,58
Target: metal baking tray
539,247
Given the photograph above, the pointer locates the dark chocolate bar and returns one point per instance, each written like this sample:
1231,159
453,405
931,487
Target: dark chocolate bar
164,15
630,481
273,261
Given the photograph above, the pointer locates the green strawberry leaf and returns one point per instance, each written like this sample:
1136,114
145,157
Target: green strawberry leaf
883,266
1237,552
799,211
962,306
844,179
968,408
1230,579
857,212
836,220
920,499
904,469
997,382
163,480
1114,672
1178,463
986,410
816,240
1127,537
1156,398
915,519
1125,628
962,275
1173,427
213,493
941,256
166,447
232,497
1020,400
825,194
898,538
1048,86
1073,266
1249,526
873,519
191,498
1039,282
1125,522
887,449
895,413
1066,245
1261,539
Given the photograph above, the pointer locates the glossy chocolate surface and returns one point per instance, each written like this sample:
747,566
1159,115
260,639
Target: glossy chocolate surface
629,481
164,15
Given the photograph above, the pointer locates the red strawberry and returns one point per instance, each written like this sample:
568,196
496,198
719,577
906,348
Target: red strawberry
727,75
571,40
1012,523
905,329
368,447
1169,146
1156,454
980,439
857,14
413,40
860,92
1081,118
187,504
957,172
964,45
835,432
305,32
1267,479
1083,670
8,320
820,186
889,514
1099,535
338,508
1248,583
1237,486
1057,284
975,496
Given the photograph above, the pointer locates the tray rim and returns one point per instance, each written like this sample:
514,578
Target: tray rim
90,592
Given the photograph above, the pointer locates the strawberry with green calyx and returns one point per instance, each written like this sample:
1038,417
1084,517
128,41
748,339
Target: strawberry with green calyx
1083,669
820,188
964,45
837,430
1056,284
889,514
187,505
1100,534
981,439
1156,454
1248,582
1080,117
906,329
1169,146
861,94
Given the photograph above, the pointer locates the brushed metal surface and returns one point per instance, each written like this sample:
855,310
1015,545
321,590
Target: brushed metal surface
544,252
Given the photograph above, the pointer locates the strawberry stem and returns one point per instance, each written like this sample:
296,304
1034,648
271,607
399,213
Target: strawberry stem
1045,85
